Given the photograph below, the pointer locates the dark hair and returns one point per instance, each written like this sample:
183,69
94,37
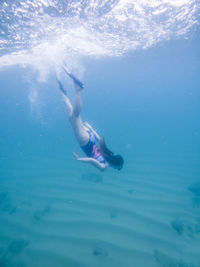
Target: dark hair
115,161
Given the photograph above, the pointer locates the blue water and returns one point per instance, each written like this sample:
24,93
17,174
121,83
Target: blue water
55,211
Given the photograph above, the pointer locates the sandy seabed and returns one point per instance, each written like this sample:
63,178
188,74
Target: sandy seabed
67,214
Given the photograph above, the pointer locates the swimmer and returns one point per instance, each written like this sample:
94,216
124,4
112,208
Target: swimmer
91,143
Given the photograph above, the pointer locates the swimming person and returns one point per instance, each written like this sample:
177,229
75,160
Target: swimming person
91,143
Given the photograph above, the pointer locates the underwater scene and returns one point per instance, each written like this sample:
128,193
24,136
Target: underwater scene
131,70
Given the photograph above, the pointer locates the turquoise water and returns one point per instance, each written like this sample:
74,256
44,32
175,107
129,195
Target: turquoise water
140,66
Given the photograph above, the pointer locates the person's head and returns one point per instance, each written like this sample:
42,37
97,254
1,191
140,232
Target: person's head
116,161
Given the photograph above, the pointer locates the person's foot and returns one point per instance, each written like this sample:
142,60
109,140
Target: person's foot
61,87
77,83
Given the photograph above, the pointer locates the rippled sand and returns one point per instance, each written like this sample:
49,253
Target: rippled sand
67,214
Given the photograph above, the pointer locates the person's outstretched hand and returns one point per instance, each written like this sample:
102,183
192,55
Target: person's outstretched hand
76,156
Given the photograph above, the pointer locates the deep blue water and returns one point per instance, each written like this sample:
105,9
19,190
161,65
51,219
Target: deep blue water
146,99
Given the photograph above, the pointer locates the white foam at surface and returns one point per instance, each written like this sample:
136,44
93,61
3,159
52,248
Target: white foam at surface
45,34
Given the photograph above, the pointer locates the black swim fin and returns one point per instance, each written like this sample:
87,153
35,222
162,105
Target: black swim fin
75,80
61,87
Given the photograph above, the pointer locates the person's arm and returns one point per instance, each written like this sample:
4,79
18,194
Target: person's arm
94,162
90,128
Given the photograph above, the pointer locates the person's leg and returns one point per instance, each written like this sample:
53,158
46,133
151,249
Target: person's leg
65,98
77,103
68,105
80,130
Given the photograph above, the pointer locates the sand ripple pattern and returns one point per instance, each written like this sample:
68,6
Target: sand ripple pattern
52,214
